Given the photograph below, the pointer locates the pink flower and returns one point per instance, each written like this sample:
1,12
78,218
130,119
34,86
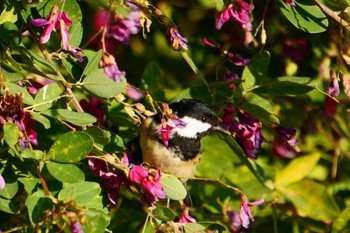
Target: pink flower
55,20
185,217
229,76
111,68
234,219
291,2
2,182
150,183
239,11
244,213
176,39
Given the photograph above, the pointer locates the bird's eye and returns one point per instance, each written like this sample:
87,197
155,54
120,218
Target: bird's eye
204,119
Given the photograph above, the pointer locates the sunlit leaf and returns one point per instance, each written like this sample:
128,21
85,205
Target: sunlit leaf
92,64
96,224
306,16
46,97
342,222
303,165
173,187
311,200
260,113
11,134
41,119
82,193
97,83
76,118
68,173
16,89
71,147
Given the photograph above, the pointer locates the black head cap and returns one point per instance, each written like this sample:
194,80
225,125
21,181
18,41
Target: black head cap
195,109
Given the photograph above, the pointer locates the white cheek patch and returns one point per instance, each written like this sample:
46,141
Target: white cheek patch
192,128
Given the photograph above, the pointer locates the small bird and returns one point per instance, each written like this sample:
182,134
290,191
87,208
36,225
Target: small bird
181,150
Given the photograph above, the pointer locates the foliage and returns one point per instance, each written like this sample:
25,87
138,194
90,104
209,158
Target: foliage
78,78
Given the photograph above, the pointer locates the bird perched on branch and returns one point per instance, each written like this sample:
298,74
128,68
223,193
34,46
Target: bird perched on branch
171,140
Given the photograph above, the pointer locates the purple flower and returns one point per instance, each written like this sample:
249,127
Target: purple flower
239,11
149,182
95,108
55,20
117,28
244,213
229,76
186,218
2,182
75,226
248,133
210,43
76,52
238,59
291,2
111,182
111,68
234,219
333,88
134,93
176,39
280,150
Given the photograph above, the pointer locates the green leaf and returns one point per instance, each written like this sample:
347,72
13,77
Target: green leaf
82,193
41,119
31,202
164,214
46,97
193,227
152,80
11,134
71,147
260,113
42,205
92,64
8,206
76,34
311,200
8,15
29,183
173,187
260,101
16,89
10,189
98,84
306,16
96,224
342,222
100,136
76,118
253,167
255,71
40,59
297,169
70,7
68,173
195,69
284,88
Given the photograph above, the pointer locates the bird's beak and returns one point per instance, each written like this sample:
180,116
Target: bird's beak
220,129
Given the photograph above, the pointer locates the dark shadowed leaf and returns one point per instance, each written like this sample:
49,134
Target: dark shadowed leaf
8,206
164,214
71,147
255,71
284,88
